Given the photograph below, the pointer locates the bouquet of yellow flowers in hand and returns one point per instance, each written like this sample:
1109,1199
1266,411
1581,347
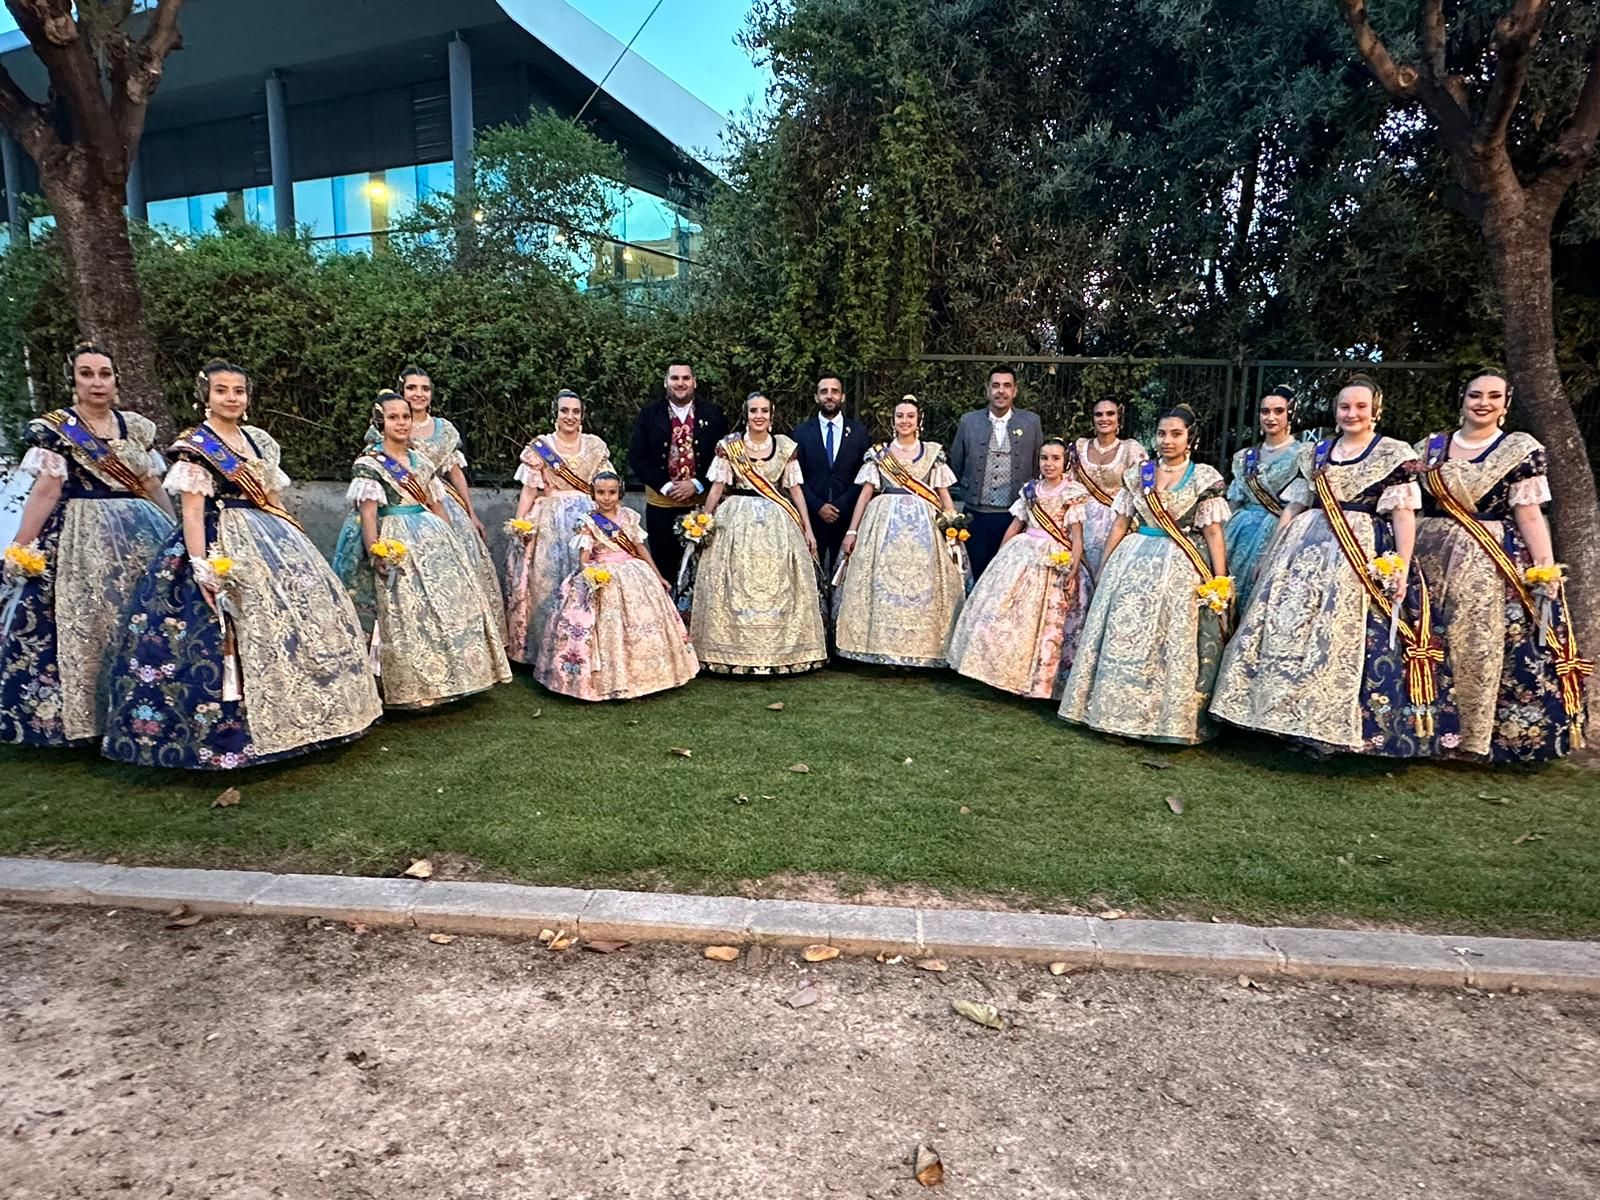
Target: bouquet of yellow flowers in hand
1061,560
1544,576
694,528
519,527
596,577
27,561
1216,593
1388,569
387,553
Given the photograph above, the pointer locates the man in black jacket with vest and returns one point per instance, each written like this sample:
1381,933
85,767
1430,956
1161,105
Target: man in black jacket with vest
830,450
674,439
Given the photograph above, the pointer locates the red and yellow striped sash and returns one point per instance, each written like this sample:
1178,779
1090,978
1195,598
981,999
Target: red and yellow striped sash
739,459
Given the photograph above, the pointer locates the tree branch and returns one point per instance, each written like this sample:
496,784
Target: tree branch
74,74
138,75
1576,146
25,117
1405,82
1515,36
1435,46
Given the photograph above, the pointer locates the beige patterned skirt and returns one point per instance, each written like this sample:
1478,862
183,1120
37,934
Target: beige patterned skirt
757,610
902,590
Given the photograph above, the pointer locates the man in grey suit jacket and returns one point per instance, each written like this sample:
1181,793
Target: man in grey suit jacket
995,451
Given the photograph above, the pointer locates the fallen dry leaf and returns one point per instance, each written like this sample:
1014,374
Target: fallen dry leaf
356,926
186,922
441,939
965,811
926,1166
1111,914
986,1015
419,869
1530,836
1154,764
819,953
778,707
799,768
175,912
907,762
606,947
741,798
536,714
1175,803
1060,968
932,964
562,943
722,953
805,997
1493,799
228,798
681,751
1245,981
546,935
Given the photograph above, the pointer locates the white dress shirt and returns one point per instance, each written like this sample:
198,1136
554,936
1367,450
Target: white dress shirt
997,430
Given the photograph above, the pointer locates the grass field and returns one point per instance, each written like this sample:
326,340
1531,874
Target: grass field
921,779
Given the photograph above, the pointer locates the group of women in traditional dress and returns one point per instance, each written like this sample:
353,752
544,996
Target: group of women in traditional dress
1359,594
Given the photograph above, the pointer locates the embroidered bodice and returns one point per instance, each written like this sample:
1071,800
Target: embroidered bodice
593,456
1275,470
1194,502
193,470
1108,476
1380,479
781,468
51,452
929,467
369,480
1510,471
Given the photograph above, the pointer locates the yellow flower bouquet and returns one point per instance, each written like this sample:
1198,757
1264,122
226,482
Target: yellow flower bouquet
694,528
519,527
1541,576
1061,560
219,562
27,560
596,577
1216,593
390,552
1388,569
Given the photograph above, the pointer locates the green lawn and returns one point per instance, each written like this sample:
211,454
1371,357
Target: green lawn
546,790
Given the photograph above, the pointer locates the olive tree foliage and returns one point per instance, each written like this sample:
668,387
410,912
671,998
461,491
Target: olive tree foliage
1218,178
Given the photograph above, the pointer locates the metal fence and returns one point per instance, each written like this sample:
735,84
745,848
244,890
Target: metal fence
1419,397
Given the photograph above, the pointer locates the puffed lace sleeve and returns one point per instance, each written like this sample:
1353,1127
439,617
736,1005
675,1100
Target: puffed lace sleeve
1214,511
941,476
721,469
1122,503
792,475
363,489
436,489
530,468
458,459
189,477
1075,511
271,456
1400,495
1019,510
1533,490
1236,492
869,474
39,462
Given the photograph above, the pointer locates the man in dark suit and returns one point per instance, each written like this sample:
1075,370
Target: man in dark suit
830,450
674,439
995,451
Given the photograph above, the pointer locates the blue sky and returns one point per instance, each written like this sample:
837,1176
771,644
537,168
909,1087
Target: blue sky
690,41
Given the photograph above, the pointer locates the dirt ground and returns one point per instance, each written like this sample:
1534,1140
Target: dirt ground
250,1059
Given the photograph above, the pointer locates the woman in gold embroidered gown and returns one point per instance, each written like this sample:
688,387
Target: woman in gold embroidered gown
435,636
1317,658
616,633
905,582
1149,649
1255,491
1019,629
96,515
1519,680
241,646
440,441
555,470
757,606
1099,463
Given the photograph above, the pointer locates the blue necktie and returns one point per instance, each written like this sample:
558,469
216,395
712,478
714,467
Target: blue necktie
829,443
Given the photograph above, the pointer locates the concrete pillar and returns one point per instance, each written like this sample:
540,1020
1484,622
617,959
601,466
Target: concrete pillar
461,114
138,210
11,159
278,153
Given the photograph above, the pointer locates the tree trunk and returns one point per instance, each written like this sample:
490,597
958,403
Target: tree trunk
94,235
1519,253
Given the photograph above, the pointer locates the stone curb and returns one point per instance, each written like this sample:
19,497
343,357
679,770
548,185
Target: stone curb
509,910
